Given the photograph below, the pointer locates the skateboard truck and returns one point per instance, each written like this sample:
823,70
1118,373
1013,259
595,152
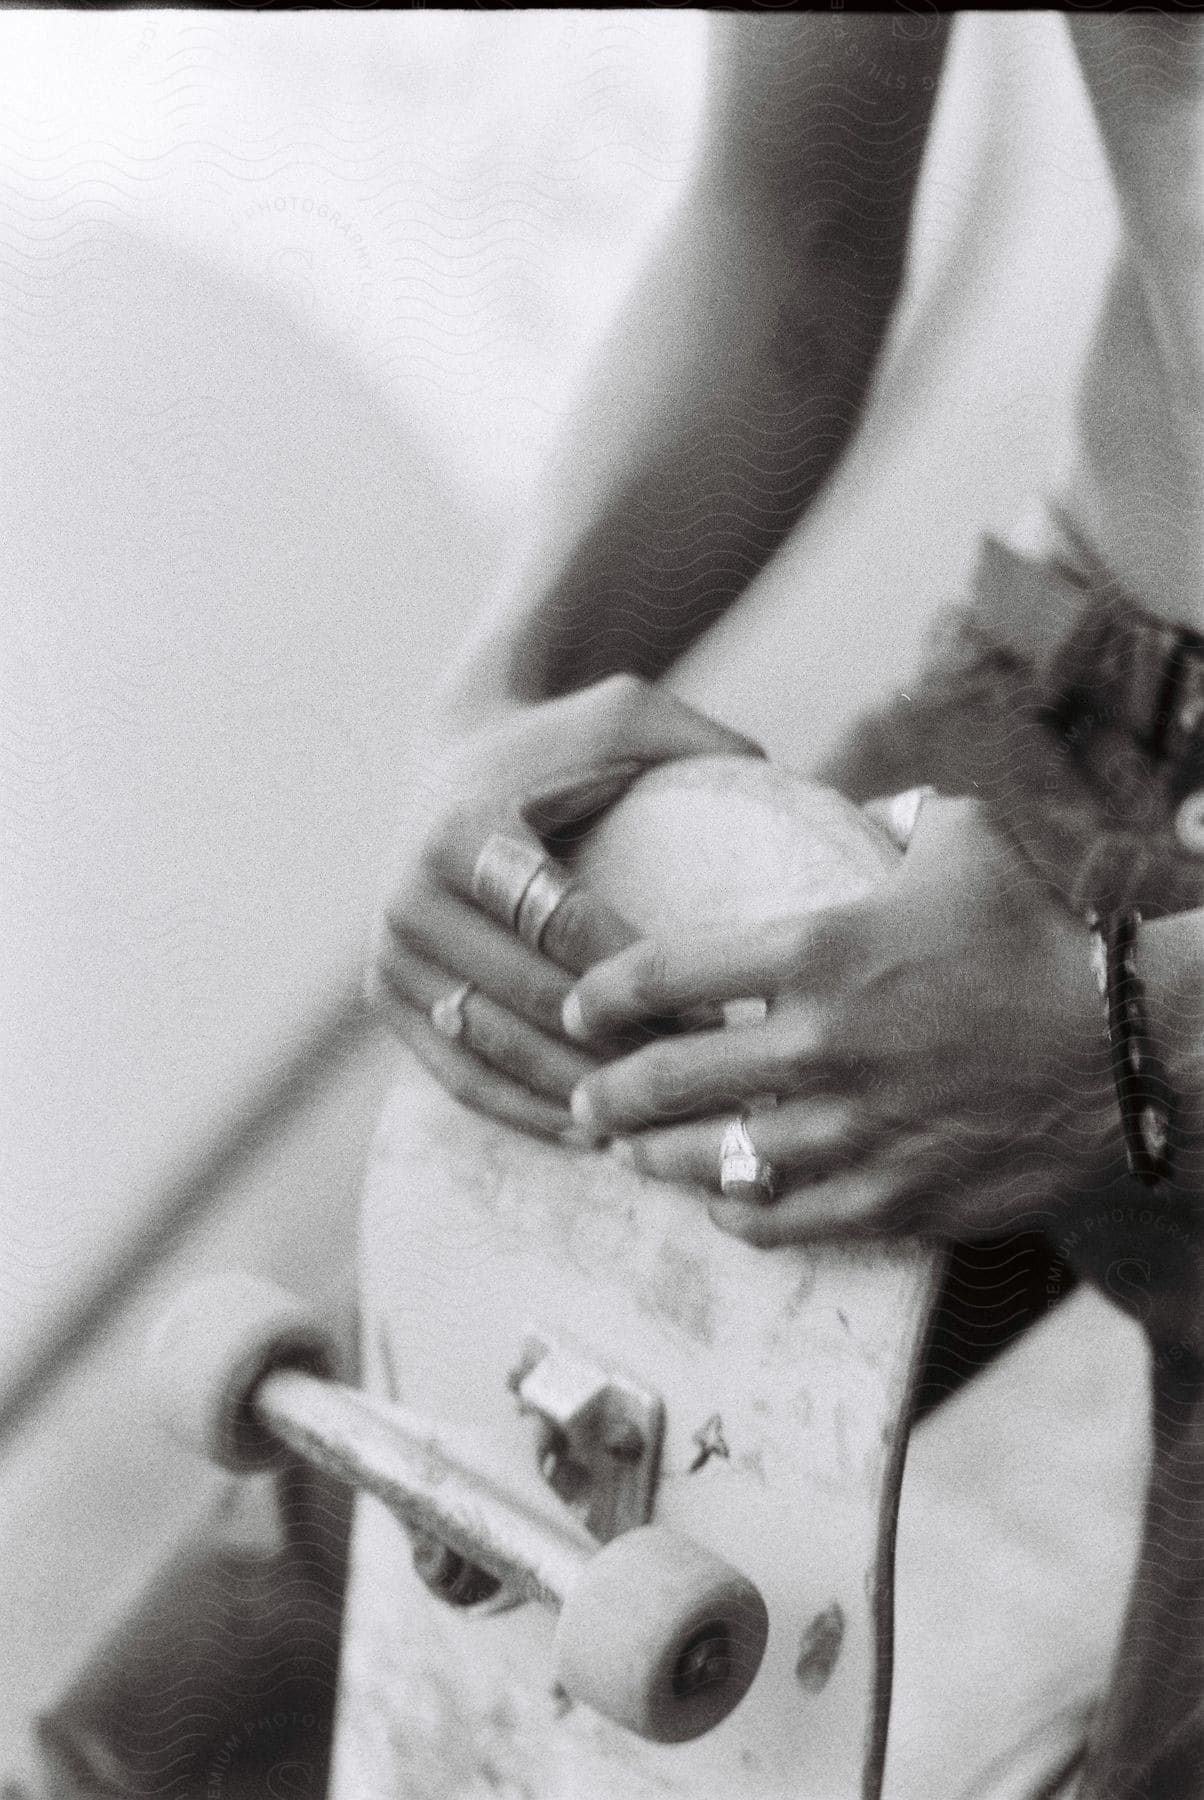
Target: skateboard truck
600,1434
655,1631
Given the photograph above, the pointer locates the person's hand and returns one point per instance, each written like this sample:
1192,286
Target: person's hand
938,1051
535,777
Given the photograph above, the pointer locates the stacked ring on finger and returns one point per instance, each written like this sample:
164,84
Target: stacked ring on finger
518,886
502,874
543,894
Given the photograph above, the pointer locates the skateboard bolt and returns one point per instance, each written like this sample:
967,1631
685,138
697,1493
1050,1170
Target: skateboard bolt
705,1661
625,1442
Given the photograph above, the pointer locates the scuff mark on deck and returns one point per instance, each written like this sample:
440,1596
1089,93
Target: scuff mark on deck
819,1649
710,1441
678,1289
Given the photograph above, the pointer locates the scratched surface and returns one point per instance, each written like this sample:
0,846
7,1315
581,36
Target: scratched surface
783,1377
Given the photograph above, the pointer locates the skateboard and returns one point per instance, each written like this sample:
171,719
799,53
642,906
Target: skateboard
627,1485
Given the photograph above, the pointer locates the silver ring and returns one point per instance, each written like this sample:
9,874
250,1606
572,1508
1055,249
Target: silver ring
501,875
741,1167
447,1014
899,814
543,894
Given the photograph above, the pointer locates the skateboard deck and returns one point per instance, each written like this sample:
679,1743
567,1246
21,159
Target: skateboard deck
502,1276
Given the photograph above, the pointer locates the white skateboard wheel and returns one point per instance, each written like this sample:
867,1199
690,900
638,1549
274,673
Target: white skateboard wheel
208,1352
660,1635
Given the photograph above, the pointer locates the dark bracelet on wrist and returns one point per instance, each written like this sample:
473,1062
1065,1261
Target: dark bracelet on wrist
1142,1090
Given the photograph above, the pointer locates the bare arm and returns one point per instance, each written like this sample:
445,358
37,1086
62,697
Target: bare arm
736,373
720,405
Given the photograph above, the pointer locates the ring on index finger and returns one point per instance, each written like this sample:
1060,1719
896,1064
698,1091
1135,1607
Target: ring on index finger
518,886
502,874
541,897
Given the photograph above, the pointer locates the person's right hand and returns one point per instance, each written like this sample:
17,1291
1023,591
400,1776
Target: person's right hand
535,776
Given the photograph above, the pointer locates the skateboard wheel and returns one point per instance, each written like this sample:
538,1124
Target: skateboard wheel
208,1352
660,1635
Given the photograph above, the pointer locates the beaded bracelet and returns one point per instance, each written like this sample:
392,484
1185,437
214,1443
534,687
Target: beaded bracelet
1142,1089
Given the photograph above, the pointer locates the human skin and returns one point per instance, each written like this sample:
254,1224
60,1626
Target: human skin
716,415
939,1051
719,407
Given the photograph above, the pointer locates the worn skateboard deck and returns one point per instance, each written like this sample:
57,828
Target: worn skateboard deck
785,1378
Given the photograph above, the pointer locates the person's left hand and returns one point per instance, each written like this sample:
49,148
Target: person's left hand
938,1052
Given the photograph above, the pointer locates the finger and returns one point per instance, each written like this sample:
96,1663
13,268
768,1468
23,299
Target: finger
797,1137
463,939
472,1081
704,1072
627,716
453,855
508,1043
468,943
582,928
657,976
568,799
851,1204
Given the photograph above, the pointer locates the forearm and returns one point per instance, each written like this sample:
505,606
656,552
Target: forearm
690,456
735,375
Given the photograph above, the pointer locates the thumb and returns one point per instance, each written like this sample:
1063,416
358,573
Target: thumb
636,718
675,728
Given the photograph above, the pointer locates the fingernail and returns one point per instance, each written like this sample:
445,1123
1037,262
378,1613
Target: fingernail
582,1110
572,1018
623,1151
